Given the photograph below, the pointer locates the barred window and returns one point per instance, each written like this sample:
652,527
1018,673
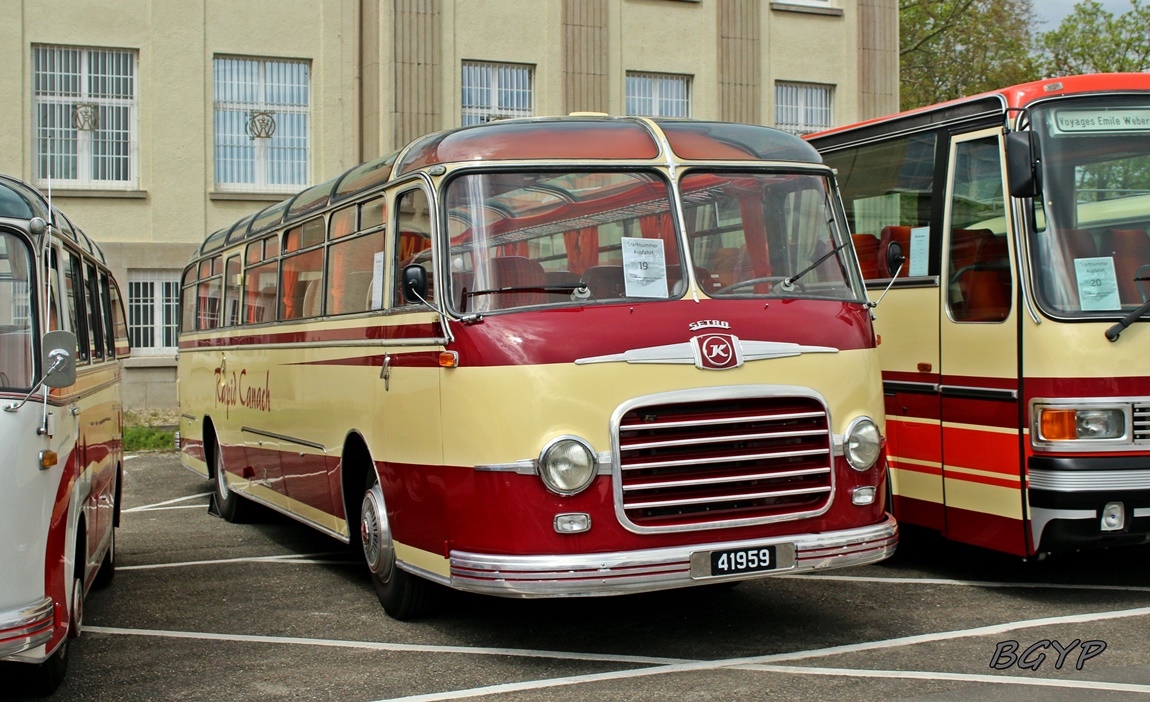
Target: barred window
658,94
153,306
84,114
804,108
262,126
494,91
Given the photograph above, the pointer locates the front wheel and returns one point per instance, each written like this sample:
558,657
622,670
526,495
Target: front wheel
403,595
231,506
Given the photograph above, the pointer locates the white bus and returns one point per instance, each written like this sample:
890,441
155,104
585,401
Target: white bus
62,336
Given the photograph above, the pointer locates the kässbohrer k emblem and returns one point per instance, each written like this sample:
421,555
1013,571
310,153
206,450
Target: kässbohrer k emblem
717,351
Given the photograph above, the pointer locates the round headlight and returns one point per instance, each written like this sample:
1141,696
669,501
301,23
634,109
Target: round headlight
567,465
862,444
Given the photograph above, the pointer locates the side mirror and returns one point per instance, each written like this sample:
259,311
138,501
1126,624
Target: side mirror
1022,172
59,359
894,258
414,283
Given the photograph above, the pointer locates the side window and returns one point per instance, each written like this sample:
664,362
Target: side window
106,316
887,190
209,292
188,301
119,322
352,261
301,273
95,313
232,292
412,243
978,262
74,302
261,281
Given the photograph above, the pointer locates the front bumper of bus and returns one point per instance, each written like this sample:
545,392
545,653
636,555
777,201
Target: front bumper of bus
26,627
1089,501
581,575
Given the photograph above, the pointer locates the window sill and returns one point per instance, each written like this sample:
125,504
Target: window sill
807,9
249,197
76,192
150,362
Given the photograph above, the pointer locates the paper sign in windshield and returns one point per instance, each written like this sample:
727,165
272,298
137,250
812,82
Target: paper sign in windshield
1097,284
1092,121
644,269
377,281
919,250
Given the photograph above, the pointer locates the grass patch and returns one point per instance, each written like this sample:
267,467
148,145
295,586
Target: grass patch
148,438
149,430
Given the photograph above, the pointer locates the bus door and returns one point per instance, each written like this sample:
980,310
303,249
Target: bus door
981,462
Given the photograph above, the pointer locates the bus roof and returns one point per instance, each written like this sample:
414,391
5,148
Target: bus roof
997,101
580,138
19,200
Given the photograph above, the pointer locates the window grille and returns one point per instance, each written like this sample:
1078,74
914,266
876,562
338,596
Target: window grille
153,307
84,113
658,94
493,91
804,108
262,124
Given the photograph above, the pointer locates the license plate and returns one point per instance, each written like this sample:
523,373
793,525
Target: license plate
739,561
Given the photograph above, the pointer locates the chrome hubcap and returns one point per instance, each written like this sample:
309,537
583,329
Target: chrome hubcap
375,534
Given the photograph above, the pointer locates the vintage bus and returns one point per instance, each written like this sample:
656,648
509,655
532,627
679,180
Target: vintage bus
548,357
62,335
1011,228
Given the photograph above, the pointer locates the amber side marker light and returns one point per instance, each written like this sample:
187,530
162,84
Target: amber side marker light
448,359
48,459
1059,424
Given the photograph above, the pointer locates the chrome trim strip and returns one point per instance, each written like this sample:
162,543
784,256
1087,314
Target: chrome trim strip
719,439
721,421
891,387
336,343
596,574
728,479
530,466
976,393
26,627
1089,480
282,437
651,504
296,516
1142,512
727,459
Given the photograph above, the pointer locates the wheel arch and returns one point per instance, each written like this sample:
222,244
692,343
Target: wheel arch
355,465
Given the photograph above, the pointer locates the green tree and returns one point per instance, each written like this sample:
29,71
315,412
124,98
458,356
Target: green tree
1093,40
952,48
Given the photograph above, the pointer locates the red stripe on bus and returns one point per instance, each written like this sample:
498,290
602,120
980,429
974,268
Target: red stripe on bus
989,413
993,452
987,530
1124,386
915,467
915,440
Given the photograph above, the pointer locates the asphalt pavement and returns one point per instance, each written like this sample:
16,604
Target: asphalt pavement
201,609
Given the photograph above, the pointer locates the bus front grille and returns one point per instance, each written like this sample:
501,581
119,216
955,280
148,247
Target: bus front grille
723,462
1141,423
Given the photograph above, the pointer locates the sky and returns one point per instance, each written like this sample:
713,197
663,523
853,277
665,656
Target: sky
1052,12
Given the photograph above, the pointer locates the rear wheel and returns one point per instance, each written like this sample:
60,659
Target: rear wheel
403,595
231,506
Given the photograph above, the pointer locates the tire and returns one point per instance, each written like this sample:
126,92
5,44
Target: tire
107,571
231,506
403,595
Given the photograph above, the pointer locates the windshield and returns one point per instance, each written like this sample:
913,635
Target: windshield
1090,244
16,313
765,234
575,238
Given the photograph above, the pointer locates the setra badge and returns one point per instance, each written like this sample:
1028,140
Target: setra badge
717,351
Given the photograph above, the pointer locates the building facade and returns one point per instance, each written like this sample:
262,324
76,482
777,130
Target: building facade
154,123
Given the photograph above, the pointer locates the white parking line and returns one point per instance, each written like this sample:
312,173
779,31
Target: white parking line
157,505
294,558
797,655
382,646
968,583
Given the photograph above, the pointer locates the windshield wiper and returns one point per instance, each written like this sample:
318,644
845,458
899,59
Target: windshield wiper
580,288
1113,332
788,284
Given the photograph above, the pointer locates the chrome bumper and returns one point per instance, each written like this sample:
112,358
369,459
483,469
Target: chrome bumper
27,627
582,575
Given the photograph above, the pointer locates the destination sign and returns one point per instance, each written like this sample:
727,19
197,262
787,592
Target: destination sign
1098,120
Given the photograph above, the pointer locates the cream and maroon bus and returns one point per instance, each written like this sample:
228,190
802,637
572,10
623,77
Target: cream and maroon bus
548,357
62,336
1015,370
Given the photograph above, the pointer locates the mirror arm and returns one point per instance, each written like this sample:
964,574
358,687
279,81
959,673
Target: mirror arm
872,305
59,359
442,316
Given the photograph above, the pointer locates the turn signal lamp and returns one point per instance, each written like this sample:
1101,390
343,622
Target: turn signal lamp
448,359
1073,424
48,459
